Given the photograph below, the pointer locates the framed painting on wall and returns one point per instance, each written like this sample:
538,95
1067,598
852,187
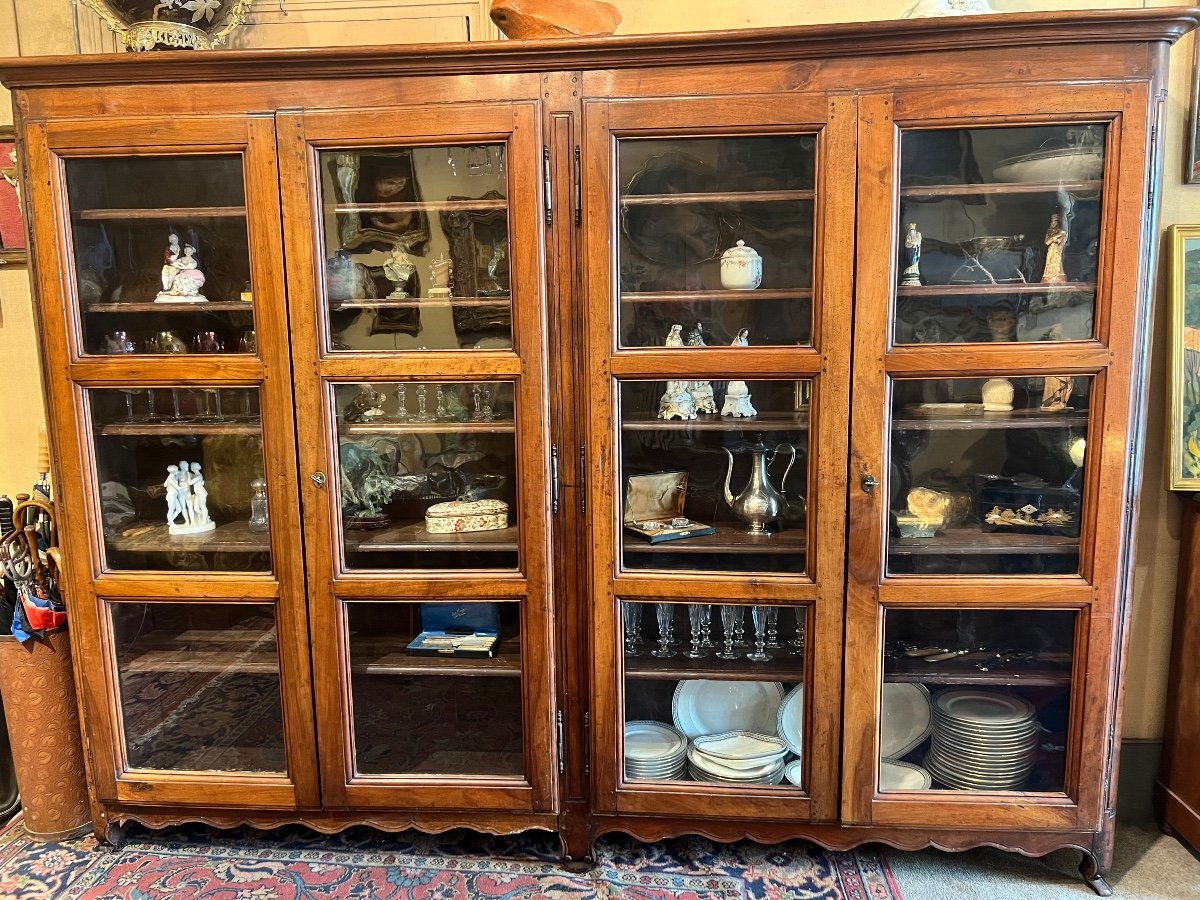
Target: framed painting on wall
1184,413
1191,160
12,226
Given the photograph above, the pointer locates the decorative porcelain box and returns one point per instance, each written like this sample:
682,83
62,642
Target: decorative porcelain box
741,268
457,516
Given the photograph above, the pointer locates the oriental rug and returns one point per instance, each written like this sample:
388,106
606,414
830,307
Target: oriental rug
193,862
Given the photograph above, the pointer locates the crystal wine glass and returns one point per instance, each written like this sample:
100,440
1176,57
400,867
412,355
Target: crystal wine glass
665,613
694,621
401,403
758,614
729,617
632,615
739,630
422,409
797,643
706,640
773,628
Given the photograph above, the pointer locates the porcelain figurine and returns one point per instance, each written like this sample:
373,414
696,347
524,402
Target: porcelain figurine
701,391
181,275
1056,241
198,501
741,268
118,342
737,395
259,517
676,402
399,270
187,499
1056,392
997,394
366,405
758,504
674,337
441,272
911,257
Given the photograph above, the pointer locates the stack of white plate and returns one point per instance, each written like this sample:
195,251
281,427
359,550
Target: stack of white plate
737,757
654,751
982,740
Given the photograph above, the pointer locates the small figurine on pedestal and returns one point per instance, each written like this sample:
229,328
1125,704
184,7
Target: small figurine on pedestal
997,395
441,272
676,401
181,275
198,501
674,337
737,395
366,405
399,270
701,391
911,257
1056,392
187,497
1056,240
176,493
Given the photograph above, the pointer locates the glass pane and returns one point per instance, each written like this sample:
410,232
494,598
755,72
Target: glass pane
976,700
987,474
199,686
714,693
718,491
416,248
162,259
717,235
436,688
999,234
181,478
428,475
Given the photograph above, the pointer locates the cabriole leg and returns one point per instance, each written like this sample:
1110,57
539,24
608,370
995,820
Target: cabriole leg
1090,870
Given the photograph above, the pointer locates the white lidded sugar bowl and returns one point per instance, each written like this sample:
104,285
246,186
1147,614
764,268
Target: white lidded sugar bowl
741,268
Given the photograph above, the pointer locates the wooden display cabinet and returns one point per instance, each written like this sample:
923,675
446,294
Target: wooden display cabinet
454,272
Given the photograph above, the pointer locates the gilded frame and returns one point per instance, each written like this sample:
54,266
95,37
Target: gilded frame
10,180
1183,430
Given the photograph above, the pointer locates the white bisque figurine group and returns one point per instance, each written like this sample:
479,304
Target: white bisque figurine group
187,500
686,399
181,276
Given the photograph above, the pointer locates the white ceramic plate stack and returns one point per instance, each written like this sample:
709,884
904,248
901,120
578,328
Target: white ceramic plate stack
704,706
737,757
982,740
654,751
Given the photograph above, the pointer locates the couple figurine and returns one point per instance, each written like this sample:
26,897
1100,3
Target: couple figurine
181,277
686,399
187,498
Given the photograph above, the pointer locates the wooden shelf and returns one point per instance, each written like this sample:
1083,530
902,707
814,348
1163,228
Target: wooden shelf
1019,287
721,295
1002,188
765,422
232,537
423,303
714,197
985,420
249,662
168,212
1011,677
387,656
393,427
146,429
422,206
414,538
207,307
782,666
727,539
968,540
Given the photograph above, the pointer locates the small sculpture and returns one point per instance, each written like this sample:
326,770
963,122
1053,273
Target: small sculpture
423,414
399,270
741,268
187,498
674,337
997,395
441,272
737,395
366,405
911,257
481,396
525,20
1056,392
401,403
181,275
1056,240
701,391
676,401
259,517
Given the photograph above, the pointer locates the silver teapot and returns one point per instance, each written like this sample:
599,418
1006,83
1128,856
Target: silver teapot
759,505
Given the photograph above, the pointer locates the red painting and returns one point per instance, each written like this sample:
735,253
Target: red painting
12,230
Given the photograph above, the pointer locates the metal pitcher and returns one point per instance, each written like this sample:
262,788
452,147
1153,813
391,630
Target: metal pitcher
759,504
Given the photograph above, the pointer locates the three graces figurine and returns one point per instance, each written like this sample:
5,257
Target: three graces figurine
187,500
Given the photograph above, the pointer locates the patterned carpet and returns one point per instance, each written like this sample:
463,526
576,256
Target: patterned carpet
292,863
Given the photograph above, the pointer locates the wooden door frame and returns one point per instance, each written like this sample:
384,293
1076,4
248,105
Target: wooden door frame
1109,358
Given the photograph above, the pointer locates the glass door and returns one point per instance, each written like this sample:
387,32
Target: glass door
182,524
992,343
418,313
718,314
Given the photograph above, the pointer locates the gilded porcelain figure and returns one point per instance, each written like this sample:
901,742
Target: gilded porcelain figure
911,257
1056,241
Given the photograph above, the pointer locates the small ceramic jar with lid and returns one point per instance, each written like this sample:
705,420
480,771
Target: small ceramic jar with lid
741,268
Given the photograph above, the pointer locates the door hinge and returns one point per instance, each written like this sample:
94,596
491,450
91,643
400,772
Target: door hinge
578,189
558,718
1153,166
554,479
583,477
547,186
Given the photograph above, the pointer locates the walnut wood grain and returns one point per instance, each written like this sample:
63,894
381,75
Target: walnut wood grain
1000,189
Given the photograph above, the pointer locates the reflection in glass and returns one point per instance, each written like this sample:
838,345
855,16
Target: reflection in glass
455,712
681,707
199,686
999,224
417,248
176,468
428,475
716,492
987,474
716,234
160,245
976,699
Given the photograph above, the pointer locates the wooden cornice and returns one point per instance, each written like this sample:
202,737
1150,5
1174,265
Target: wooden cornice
1016,30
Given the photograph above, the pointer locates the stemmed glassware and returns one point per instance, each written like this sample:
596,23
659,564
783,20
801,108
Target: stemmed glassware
440,413
797,643
632,615
739,630
665,613
694,621
706,640
422,410
482,395
773,628
729,619
758,614
401,403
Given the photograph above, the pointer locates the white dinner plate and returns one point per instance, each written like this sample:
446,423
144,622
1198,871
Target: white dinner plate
792,772
790,722
987,708
774,777
741,749
895,775
714,767
653,742
907,718
704,706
